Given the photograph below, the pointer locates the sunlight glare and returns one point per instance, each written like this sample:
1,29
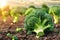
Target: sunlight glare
3,3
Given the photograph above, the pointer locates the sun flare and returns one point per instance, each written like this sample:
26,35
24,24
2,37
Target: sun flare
3,3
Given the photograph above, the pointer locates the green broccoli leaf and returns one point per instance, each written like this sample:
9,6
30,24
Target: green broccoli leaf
29,10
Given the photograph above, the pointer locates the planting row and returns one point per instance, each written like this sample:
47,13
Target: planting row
37,20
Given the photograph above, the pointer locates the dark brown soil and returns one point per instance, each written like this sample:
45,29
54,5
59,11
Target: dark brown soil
9,27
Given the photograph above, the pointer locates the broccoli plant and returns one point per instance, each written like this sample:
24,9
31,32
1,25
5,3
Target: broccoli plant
14,14
38,21
55,12
18,29
9,35
14,37
45,8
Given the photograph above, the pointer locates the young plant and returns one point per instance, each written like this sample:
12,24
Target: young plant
18,29
15,14
14,38
9,35
38,21
55,12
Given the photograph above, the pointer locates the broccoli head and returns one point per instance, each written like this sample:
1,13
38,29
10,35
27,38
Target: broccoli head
55,12
14,13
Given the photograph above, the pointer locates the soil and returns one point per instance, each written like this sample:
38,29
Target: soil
9,27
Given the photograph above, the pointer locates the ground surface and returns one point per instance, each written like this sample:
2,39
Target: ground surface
8,27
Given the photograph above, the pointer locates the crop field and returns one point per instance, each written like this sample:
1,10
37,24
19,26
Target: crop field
32,23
